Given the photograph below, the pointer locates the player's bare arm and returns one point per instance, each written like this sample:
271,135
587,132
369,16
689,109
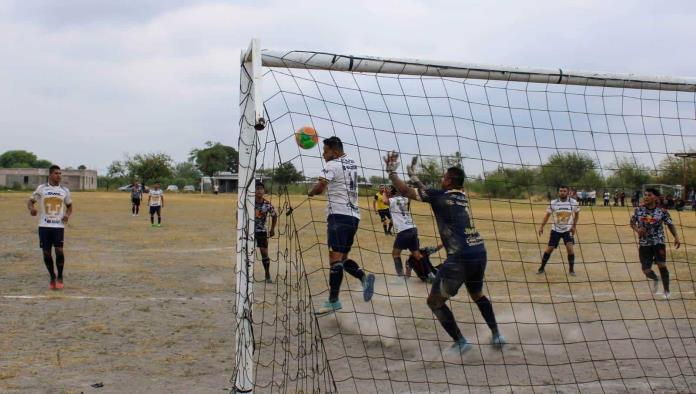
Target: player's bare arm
543,222
318,188
68,212
274,221
30,207
575,223
673,229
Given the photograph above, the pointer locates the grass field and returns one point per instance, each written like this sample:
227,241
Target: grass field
151,309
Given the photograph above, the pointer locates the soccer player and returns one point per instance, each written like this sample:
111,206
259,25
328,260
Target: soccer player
136,196
155,200
340,178
466,253
423,267
406,231
264,208
647,221
383,210
565,212
56,207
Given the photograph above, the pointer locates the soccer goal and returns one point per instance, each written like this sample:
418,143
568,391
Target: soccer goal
518,134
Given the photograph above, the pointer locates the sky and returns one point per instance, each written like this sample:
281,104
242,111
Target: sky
88,82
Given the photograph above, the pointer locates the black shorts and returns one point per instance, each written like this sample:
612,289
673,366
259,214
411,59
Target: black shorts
652,254
458,270
384,214
555,237
135,201
50,237
407,239
341,230
261,239
155,210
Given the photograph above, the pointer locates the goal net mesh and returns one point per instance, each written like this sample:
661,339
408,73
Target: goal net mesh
602,330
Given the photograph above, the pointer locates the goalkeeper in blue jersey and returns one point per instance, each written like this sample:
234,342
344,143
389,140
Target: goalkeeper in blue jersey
466,253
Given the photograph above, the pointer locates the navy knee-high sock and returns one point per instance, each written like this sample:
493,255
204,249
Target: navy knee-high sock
335,279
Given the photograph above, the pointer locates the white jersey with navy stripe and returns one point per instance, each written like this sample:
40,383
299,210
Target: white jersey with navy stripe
341,176
401,216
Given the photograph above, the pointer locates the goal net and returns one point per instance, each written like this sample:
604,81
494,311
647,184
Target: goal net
518,134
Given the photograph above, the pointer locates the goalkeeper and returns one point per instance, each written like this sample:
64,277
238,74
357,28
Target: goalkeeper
466,253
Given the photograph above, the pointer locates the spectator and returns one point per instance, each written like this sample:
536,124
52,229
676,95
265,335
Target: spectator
606,198
593,197
622,197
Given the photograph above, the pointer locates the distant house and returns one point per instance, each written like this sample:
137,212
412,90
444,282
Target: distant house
30,178
227,181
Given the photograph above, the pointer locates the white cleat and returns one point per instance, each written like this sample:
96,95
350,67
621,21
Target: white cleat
667,295
498,340
461,346
656,286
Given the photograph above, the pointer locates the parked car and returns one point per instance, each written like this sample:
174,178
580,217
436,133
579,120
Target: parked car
126,188
189,188
173,188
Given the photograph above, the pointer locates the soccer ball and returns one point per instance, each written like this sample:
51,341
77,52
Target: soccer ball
306,137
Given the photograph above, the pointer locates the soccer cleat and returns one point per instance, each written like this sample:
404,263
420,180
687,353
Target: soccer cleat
52,285
159,225
152,225
328,307
656,286
430,278
408,271
368,287
667,295
498,340
572,273
460,346
59,284
540,271
268,280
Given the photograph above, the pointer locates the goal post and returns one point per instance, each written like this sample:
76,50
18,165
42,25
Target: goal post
285,343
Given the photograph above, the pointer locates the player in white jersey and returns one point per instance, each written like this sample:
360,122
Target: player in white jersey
340,178
406,231
155,200
565,212
55,205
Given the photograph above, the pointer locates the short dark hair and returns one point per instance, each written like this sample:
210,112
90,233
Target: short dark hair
456,175
654,191
392,189
563,187
157,182
334,143
260,184
53,168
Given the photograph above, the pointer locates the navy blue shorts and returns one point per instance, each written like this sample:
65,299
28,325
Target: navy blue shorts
341,230
157,209
651,254
458,270
407,239
261,239
51,237
555,237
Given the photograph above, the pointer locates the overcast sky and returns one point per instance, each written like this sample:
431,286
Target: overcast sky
87,81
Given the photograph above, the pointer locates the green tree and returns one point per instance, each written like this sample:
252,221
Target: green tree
82,167
215,157
510,182
42,164
453,161
150,166
115,171
286,173
378,180
430,172
569,169
187,170
629,175
671,172
17,159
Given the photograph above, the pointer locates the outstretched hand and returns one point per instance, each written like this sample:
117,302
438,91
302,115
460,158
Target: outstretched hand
411,169
391,161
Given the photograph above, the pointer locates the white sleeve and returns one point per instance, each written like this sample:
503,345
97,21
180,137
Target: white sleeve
36,196
329,172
